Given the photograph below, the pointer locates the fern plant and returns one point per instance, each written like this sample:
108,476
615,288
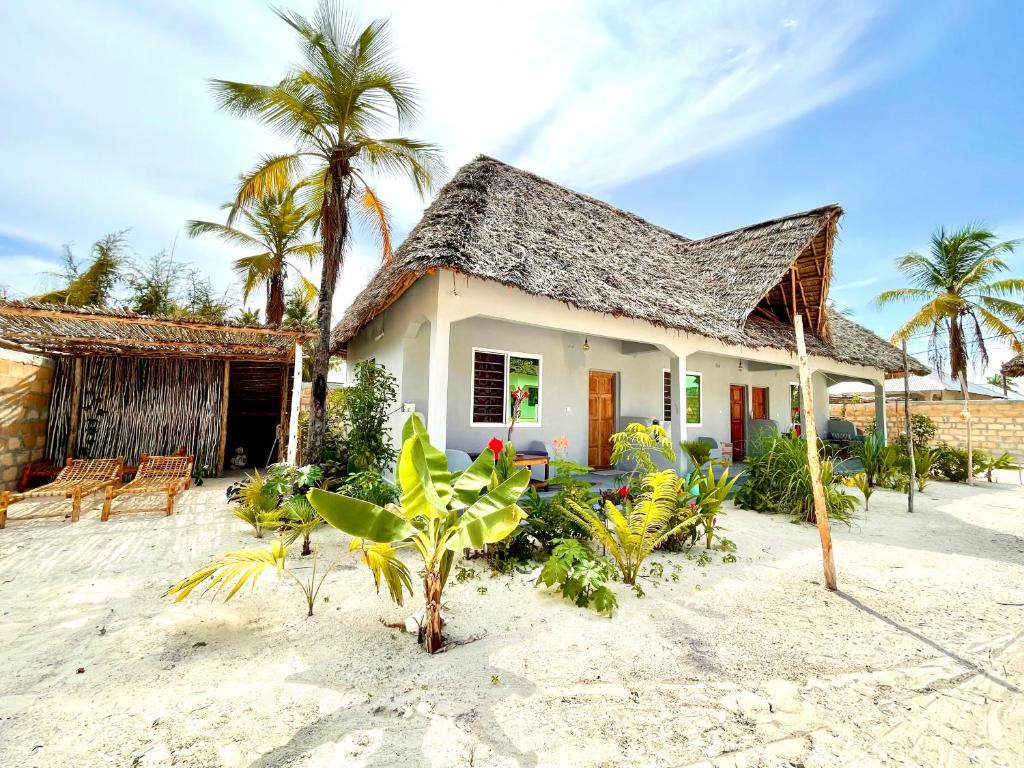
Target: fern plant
639,526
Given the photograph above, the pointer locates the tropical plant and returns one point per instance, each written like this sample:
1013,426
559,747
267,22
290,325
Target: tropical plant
871,453
988,464
260,505
963,296
924,457
368,405
697,451
709,494
922,427
301,520
580,575
437,516
635,446
278,223
153,284
950,462
248,316
1005,383
860,482
369,486
236,569
778,480
89,285
300,314
335,104
200,301
640,526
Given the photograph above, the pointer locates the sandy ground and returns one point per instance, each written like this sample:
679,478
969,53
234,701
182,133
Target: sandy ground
918,660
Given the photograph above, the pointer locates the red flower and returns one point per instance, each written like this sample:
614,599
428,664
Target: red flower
623,491
693,504
496,447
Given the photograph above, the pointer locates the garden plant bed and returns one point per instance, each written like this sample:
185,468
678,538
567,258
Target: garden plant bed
918,660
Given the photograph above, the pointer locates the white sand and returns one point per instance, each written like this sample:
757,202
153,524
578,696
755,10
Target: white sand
918,661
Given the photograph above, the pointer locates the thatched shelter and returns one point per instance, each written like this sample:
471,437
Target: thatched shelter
1014,367
499,223
126,384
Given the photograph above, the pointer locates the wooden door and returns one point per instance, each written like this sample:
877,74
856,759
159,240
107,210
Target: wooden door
759,402
602,419
737,419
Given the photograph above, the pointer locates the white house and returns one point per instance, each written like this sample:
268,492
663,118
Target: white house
511,280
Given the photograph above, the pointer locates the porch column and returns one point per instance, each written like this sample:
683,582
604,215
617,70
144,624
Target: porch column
677,431
437,381
293,417
881,427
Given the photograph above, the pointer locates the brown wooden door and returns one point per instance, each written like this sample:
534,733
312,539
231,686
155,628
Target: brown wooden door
759,402
602,418
737,419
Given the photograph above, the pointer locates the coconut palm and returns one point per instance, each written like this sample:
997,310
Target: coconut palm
335,105
278,223
1005,383
962,298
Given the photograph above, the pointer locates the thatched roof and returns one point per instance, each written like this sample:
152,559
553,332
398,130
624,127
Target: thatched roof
496,222
1014,367
61,330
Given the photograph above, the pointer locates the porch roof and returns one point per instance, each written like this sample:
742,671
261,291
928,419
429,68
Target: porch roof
63,330
495,222
1014,367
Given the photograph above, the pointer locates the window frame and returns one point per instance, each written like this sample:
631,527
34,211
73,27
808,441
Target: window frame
700,397
505,401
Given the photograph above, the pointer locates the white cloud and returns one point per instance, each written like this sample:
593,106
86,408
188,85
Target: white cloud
116,128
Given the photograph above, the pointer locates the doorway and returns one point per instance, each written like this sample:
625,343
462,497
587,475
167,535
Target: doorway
601,419
759,403
737,420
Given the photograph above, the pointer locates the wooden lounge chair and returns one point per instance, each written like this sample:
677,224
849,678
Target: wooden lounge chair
157,474
78,479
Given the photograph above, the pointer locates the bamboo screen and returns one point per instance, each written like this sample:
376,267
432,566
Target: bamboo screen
135,405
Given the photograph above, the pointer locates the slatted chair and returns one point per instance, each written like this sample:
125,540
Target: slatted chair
78,479
157,474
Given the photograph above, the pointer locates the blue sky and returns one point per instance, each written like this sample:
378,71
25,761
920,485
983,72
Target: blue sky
699,116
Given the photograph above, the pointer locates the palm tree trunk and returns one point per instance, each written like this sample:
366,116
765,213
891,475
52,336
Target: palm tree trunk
334,233
962,376
432,638
275,299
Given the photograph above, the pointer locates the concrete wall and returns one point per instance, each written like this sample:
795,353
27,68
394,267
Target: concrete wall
997,425
25,383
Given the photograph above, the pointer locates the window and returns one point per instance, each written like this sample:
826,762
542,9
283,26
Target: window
693,398
495,376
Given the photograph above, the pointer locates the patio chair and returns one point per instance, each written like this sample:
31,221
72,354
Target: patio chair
157,475
78,479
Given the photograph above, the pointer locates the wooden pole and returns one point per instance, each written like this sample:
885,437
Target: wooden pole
813,461
906,422
293,421
282,422
222,445
76,407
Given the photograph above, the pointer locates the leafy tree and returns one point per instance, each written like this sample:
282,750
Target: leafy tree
153,284
962,296
90,286
300,312
200,301
335,105
277,224
368,406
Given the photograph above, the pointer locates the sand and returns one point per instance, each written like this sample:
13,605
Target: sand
918,660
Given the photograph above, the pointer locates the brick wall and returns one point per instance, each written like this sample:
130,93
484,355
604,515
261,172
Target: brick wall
998,425
25,382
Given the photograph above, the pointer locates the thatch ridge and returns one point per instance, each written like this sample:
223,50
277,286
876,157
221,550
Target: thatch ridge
498,223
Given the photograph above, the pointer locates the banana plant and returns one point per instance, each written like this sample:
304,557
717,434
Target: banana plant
438,515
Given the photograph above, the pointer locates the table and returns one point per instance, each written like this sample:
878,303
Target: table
532,460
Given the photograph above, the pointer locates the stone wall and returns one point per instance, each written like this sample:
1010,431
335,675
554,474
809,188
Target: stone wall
998,425
25,382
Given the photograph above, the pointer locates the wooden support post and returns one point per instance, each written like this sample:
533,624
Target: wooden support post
910,435
813,462
222,444
76,407
292,455
282,422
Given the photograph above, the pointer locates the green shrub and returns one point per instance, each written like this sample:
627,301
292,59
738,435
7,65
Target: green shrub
580,575
368,405
779,482
950,462
697,451
369,486
988,464
635,446
922,428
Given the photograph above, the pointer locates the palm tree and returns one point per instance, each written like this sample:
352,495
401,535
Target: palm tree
962,298
1003,382
335,106
278,223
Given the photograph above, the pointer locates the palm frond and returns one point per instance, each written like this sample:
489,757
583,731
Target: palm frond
232,569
